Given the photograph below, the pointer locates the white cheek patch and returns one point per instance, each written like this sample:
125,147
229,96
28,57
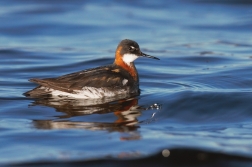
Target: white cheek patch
124,82
129,58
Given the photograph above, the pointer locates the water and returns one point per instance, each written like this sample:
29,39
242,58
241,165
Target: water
198,97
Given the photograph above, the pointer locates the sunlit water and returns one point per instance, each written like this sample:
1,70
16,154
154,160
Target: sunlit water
197,96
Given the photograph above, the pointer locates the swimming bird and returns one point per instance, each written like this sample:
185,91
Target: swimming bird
119,78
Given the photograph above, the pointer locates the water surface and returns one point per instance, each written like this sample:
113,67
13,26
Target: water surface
198,97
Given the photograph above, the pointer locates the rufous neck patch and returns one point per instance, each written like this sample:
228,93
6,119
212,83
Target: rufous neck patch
130,68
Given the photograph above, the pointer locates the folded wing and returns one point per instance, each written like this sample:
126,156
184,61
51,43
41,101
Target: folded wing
97,77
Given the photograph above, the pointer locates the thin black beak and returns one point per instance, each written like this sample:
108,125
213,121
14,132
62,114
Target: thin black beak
145,55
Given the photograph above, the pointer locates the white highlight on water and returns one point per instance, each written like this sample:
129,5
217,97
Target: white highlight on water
166,153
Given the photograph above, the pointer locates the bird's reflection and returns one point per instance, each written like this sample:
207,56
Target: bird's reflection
126,111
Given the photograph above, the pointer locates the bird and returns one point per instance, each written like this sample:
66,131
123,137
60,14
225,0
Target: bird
119,78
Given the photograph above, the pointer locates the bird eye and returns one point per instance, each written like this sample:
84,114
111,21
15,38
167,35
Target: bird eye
132,48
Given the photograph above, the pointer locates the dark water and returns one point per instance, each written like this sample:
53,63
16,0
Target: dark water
195,102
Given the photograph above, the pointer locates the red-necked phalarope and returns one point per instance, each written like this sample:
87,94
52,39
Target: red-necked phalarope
120,78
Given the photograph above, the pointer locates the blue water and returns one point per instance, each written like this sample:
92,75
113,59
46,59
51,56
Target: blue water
201,86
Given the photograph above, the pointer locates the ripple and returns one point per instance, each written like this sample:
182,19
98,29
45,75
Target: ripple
201,86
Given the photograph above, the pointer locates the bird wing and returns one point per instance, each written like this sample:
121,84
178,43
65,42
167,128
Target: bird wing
98,77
